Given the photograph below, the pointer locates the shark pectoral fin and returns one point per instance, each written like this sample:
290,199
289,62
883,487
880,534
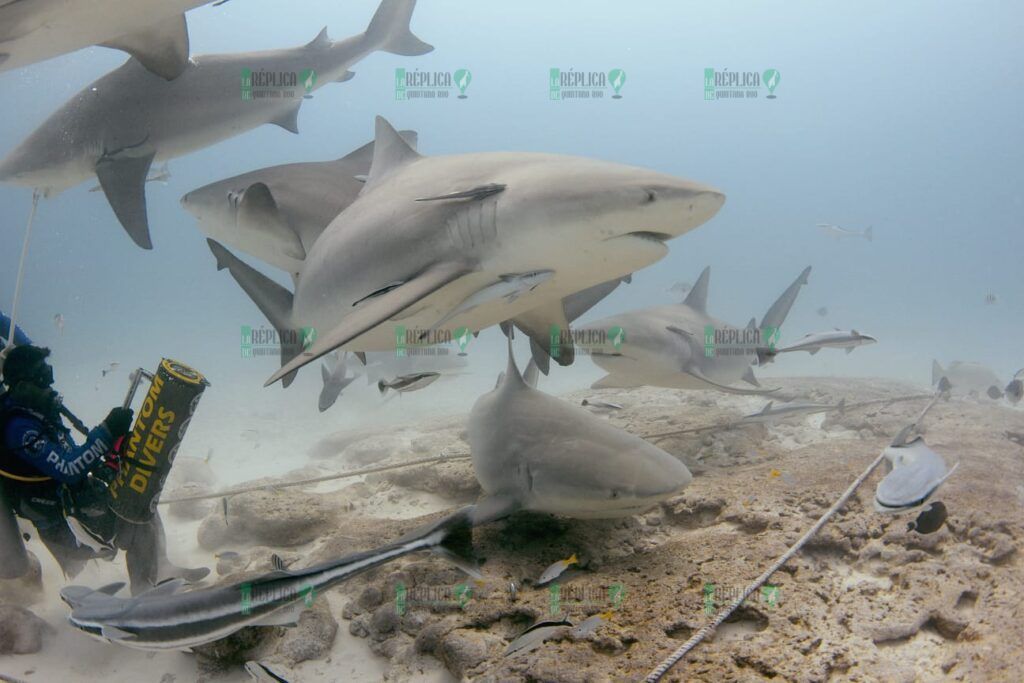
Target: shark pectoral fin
532,374
123,180
710,384
114,633
540,358
258,212
375,311
548,327
162,47
273,300
476,193
813,350
492,508
849,350
615,382
750,378
289,120
776,315
347,76
286,616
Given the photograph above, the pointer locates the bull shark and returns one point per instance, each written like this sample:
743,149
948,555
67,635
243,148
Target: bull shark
675,346
276,213
968,378
120,124
915,473
166,619
152,31
836,339
426,233
532,451
335,379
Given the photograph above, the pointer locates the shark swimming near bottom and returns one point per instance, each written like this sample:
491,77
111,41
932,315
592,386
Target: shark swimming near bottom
166,619
682,346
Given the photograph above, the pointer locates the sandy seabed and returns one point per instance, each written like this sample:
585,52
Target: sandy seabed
866,600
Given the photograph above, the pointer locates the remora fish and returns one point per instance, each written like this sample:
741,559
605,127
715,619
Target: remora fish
164,619
119,125
836,339
600,407
840,233
407,383
771,413
508,287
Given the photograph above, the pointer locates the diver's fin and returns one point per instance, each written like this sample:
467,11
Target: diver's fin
475,193
273,300
161,47
258,212
544,323
776,315
579,303
289,120
389,30
123,179
697,299
390,152
375,311
750,378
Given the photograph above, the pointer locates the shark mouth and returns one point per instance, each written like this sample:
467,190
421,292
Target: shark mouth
659,237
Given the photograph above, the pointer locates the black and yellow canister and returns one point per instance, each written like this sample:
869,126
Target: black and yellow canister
148,453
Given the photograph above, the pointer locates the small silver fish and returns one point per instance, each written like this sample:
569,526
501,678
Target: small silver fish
591,624
534,637
556,570
598,406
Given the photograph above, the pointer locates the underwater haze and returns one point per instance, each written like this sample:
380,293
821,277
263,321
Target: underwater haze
902,117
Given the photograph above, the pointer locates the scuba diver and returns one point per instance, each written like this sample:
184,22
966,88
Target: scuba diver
60,487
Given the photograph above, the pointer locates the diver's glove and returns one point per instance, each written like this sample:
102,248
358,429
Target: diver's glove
37,399
119,421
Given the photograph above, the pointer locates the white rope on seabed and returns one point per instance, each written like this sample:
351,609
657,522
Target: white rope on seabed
21,274
670,661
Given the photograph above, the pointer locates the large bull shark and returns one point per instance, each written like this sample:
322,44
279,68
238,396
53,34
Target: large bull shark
152,31
166,619
532,451
426,233
120,124
677,346
276,213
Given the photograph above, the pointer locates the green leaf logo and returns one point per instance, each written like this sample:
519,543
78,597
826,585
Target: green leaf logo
308,79
617,77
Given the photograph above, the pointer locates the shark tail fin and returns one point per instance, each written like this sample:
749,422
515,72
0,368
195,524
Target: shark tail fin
389,29
273,300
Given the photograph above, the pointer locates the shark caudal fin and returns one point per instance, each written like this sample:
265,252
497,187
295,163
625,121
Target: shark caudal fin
273,300
162,47
389,29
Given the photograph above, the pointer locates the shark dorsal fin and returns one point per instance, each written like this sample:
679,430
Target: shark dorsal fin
697,299
363,156
752,324
512,376
111,588
767,407
168,587
390,152
321,40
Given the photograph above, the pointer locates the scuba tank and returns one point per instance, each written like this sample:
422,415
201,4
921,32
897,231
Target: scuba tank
147,453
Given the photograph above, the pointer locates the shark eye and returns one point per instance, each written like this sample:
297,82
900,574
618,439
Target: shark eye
650,197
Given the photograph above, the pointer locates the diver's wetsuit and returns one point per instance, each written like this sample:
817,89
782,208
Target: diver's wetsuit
44,475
